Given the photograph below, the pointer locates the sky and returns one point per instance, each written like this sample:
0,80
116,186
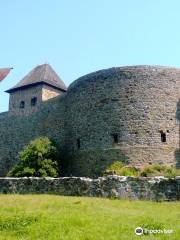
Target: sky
77,37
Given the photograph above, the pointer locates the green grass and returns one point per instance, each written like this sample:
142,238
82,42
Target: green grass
153,170
52,217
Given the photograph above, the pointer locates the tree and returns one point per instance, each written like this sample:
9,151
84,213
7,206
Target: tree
38,159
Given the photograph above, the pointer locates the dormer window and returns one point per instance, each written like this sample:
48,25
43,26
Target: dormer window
33,101
22,104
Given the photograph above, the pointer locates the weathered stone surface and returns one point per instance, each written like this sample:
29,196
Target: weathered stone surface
16,131
152,188
136,103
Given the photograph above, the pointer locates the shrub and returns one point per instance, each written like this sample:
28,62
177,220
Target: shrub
122,170
114,168
171,172
153,170
148,171
129,171
38,159
157,169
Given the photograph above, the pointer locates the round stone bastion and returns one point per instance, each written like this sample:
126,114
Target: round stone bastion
129,114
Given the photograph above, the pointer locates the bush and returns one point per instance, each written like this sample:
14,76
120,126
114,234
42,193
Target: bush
153,170
118,168
171,172
38,159
129,171
114,168
157,169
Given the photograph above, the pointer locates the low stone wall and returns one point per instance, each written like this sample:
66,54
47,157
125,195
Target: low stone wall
151,188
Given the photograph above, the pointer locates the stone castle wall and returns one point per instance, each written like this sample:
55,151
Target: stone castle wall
18,131
114,114
154,188
135,104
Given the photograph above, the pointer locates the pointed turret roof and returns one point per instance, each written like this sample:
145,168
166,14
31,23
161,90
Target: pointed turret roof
40,74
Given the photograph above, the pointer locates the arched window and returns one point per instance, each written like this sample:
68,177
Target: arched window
33,101
22,104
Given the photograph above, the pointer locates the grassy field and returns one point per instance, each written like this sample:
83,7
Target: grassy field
51,217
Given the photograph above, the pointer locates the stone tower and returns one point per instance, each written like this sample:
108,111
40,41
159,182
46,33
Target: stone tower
127,114
41,84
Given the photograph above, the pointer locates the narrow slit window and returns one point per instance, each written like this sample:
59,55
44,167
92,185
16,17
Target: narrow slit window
163,137
78,143
22,104
115,137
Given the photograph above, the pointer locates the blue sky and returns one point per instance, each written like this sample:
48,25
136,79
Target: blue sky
81,36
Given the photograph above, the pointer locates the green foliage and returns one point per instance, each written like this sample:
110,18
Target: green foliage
172,172
16,222
128,171
157,170
149,171
52,217
118,168
38,159
153,224
114,168
122,170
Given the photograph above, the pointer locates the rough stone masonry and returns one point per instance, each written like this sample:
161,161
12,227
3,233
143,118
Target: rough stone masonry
152,188
129,114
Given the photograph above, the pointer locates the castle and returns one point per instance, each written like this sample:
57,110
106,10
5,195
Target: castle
129,114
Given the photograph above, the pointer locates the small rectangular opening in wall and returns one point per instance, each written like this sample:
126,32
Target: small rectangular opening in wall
33,101
163,136
78,143
115,138
22,104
